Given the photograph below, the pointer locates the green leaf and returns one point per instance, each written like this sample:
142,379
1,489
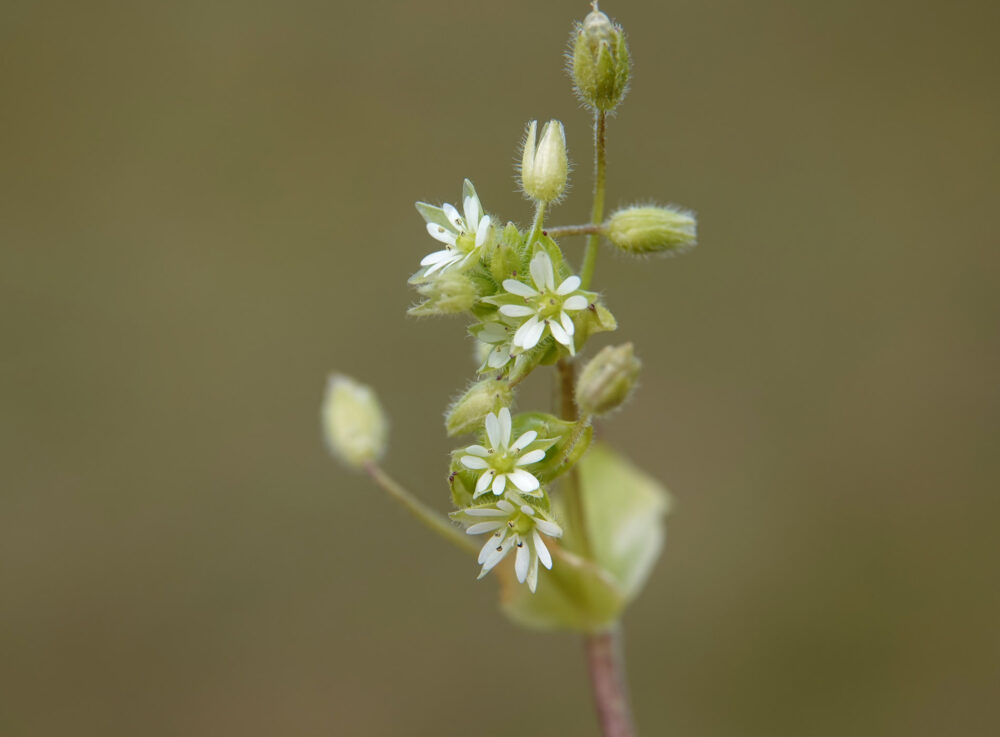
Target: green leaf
574,595
624,509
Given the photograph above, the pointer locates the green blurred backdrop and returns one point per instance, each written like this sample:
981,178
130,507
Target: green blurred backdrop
207,206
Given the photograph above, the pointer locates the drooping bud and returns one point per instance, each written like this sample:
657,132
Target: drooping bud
599,61
544,169
448,293
607,381
642,230
354,425
468,412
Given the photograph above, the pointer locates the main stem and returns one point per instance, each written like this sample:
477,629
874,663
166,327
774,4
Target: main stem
605,661
597,211
607,681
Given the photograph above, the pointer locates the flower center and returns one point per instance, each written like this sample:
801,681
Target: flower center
466,243
502,462
548,306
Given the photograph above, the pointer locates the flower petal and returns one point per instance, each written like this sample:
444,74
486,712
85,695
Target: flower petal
524,331
541,271
499,483
505,426
496,554
485,479
498,357
482,231
519,288
505,506
477,450
576,302
570,284
533,335
480,527
525,440
442,265
473,210
533,574
567,323
485,512
516,310
532,456
433,258
441,233
548,528
453,217
521,562
493,430
542,551
558,333
474,462
523,480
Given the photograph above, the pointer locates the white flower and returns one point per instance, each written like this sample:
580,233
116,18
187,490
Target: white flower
514,525
496,337
545,306
503,460
463,234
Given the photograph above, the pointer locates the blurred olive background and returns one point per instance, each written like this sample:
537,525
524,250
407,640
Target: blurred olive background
207,206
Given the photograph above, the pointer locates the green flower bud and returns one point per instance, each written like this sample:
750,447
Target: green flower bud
355,427
607,380
641,230
468,412
544,169
448,293
599,61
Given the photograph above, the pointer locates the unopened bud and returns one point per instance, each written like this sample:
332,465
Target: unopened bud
544,169
607,381
468,412
447,293
643,230
353,422
599,61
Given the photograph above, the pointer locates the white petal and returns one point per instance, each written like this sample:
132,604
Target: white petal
505,506
558,333
567,323
524,331
533,336
505,426
484,551
543,552
477,450
474,462
516,310
493,555
499,357
473,210
525,440
576,302
533,574
453,217
483,483
485,512
523,480
482,231
480,527
570,284
521,563
499,483
441,233
493,430
548,528
541,271
519,288
433,258
532,456
442,265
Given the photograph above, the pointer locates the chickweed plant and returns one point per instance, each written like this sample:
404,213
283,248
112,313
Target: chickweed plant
566,525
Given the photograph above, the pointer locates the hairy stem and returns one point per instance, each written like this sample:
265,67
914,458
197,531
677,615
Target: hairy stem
608,683
536,225
564,230
597,211
434,521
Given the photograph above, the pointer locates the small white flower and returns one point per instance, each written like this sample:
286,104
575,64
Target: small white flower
496,337
503,461
463,234
514,526
546,306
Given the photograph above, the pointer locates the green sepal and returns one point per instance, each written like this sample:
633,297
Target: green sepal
624,510
434,214
595,319
555,437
